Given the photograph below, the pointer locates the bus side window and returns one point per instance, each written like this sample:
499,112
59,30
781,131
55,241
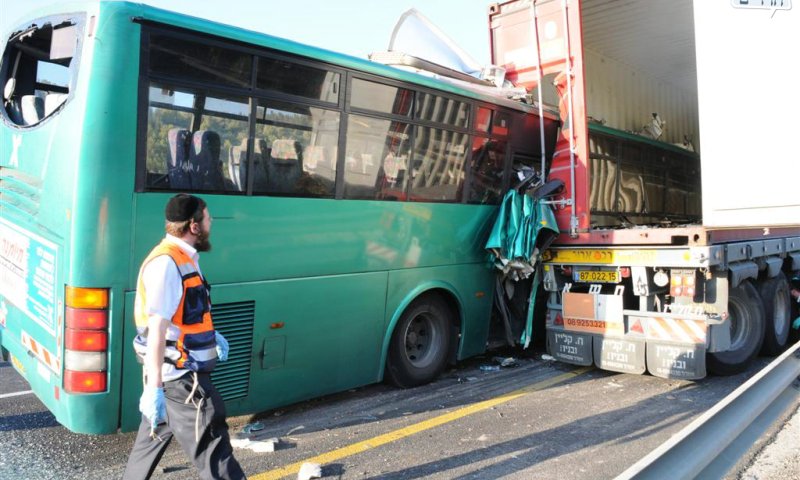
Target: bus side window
487,172
442,158
300,159
370,142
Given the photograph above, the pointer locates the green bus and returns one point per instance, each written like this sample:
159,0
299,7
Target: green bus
351,201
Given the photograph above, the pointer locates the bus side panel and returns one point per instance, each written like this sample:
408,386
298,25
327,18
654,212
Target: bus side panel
290,340
469,284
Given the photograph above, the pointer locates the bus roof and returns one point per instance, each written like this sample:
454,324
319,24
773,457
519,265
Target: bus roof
238,34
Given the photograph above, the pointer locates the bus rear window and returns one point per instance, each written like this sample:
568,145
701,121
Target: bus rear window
38,70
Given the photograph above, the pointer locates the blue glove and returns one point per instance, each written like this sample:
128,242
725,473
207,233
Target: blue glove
153,406
796,323
222,347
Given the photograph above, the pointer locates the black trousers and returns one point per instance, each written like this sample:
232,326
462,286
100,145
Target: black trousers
211,453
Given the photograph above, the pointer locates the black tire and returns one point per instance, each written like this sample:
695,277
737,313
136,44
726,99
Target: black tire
420,343
774,293
794,333
746,320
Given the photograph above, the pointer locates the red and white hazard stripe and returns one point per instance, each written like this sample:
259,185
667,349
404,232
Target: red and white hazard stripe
676,330
51,361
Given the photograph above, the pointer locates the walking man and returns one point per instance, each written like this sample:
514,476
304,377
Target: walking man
179,347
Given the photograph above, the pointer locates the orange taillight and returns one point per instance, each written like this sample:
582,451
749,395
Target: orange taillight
77,297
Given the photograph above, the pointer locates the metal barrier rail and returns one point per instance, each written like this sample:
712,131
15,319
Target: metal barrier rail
712,444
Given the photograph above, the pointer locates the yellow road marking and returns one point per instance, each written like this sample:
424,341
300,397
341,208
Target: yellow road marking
390,437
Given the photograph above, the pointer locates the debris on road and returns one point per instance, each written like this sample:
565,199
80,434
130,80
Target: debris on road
309,470
258,446
506,362
253,427
299,427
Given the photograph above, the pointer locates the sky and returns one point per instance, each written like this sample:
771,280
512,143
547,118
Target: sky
355,27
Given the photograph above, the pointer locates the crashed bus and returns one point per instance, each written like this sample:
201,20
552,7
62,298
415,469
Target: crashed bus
351,202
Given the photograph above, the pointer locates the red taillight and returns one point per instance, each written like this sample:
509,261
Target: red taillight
86,340
86,319
84,382
625,272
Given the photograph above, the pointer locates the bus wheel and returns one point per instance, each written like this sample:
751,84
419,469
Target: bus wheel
746,320
774,293
420,342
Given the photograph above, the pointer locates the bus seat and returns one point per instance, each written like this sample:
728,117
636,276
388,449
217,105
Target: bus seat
259,172
52,101
32,109
284,173
11,101
205,168
236,155
177,163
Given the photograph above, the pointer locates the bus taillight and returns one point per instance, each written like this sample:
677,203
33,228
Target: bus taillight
86,319
87,297
86,340
84,382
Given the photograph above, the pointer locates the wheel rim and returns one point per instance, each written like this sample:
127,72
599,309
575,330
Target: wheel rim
421,336
781,313
740,327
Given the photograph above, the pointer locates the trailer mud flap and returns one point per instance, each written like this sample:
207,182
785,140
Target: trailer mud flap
617,355
574,348
687,362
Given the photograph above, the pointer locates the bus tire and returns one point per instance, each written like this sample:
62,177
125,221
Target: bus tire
746,317
420,343
775,295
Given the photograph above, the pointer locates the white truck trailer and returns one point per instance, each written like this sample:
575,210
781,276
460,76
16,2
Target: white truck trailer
680,218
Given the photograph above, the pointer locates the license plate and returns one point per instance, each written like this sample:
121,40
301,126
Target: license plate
596,276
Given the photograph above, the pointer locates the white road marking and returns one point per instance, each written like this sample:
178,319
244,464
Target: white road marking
15,394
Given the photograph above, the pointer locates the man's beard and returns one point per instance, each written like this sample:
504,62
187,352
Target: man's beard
201,243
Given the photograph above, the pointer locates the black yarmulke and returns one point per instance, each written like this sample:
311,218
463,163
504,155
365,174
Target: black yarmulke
181,207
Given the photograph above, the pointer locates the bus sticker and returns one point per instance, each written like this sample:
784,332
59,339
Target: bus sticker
18,366
28,273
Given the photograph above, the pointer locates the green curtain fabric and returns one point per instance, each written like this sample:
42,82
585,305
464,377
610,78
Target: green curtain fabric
513,243
517,227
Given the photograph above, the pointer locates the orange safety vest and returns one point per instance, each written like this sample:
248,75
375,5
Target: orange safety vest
191,340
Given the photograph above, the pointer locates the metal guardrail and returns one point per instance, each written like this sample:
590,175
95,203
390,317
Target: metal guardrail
712,444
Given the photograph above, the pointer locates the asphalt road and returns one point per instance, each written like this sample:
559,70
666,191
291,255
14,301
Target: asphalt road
537,420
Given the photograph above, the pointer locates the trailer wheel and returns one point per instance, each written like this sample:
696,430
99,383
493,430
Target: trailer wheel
420,343
746,320
775,295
